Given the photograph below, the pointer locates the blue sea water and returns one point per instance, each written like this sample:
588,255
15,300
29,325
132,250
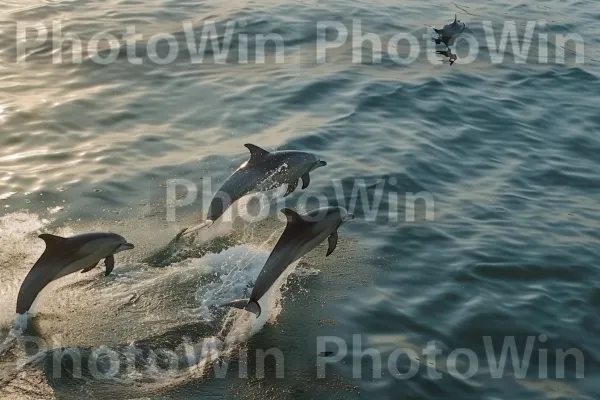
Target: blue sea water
503,247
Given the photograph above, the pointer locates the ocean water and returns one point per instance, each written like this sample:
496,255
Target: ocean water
501,250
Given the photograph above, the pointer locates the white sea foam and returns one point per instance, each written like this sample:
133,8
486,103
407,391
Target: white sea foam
140,295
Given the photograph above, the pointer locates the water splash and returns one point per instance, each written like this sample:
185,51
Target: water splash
19,249
151,302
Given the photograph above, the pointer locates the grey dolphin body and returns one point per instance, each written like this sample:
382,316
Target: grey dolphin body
450,32
64,256
302,234
263,171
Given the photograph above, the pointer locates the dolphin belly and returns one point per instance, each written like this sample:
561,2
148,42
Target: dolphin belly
280,260
82,263
237,186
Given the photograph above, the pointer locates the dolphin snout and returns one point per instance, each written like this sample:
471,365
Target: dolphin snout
127,246
349,217
317,165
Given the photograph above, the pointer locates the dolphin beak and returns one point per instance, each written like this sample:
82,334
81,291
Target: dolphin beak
349,217
317,165
127,246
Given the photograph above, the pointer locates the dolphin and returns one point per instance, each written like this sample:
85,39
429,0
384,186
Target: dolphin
64,256
449,32
263,171
302,234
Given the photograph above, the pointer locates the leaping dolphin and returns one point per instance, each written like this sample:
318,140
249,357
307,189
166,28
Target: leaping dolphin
302,234
263,171
64,256
450,32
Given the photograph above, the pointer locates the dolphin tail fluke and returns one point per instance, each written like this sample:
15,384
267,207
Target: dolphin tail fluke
240,303
254,308
184,232
245,304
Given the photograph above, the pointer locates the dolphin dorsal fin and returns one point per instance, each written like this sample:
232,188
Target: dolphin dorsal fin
292,216
255,152
51,240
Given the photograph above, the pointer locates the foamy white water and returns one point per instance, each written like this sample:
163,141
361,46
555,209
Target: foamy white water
138,300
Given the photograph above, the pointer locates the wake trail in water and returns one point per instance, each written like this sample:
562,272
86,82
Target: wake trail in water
10,341
146,304
15,333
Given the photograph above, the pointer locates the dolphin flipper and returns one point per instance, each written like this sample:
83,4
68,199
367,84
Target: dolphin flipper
91,267
186,231
245,304
333,239
291,187
110,264
305,180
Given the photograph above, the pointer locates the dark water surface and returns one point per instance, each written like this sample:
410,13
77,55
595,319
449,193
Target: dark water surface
505,154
